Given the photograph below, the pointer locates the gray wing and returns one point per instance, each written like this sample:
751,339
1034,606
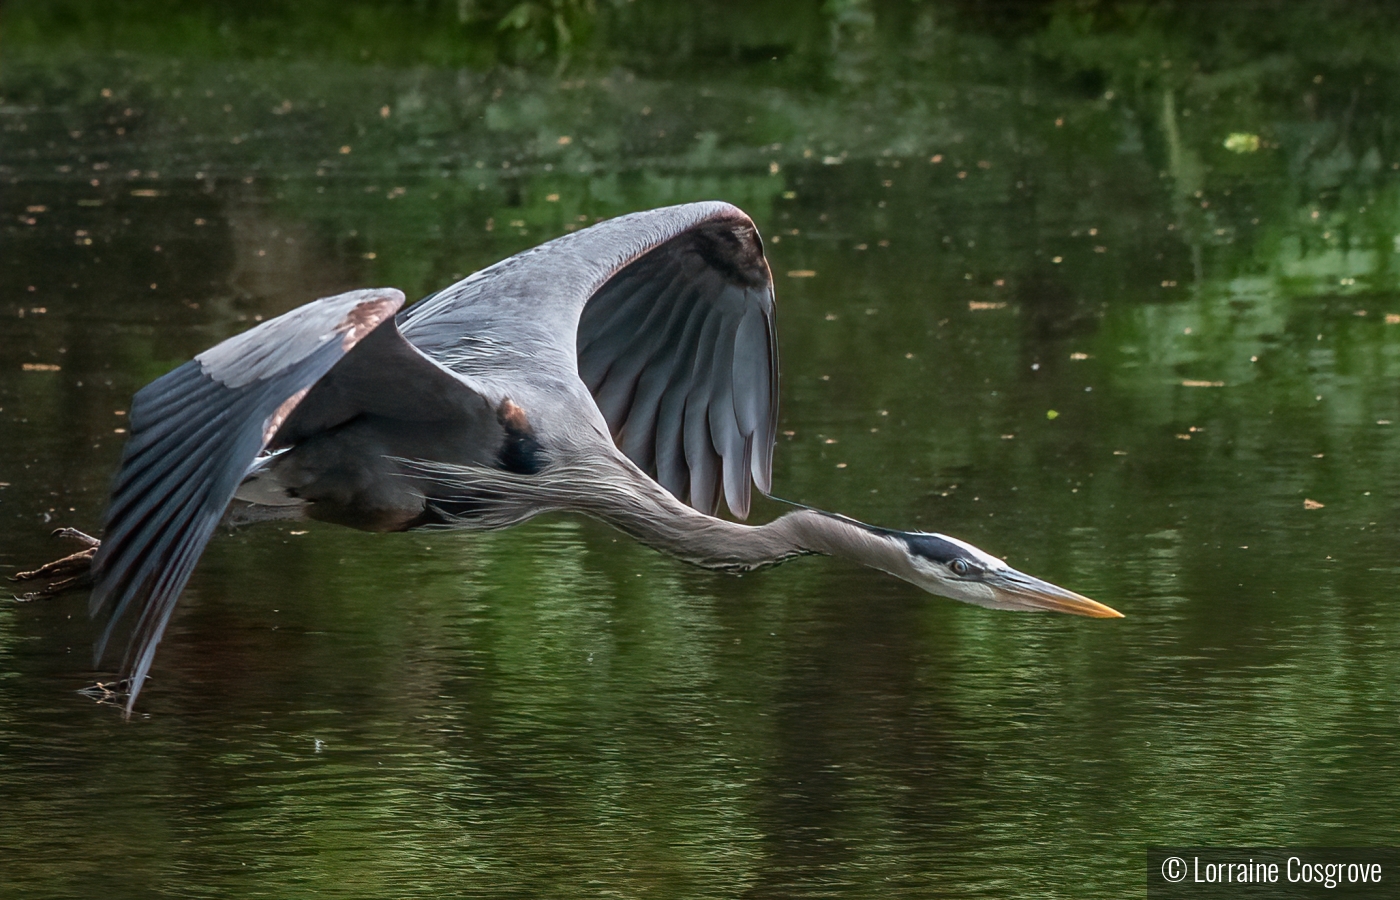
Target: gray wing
194,434
678,350
668,318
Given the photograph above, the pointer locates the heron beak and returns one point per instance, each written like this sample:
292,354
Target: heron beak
1030,593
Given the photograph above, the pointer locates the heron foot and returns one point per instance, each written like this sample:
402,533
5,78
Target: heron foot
72,571
108,691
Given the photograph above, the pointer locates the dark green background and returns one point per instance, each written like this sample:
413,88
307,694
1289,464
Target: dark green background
1108,289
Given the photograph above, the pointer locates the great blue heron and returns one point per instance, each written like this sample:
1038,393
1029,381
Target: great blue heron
622,371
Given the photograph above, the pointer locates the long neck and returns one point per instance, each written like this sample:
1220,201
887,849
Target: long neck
613,489
648,513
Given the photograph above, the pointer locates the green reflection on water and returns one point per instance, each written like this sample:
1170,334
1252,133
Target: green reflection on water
1057,209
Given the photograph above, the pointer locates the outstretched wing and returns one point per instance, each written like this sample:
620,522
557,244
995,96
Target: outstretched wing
194,433
672,316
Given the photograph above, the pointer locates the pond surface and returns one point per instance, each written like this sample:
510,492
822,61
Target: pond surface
1098,296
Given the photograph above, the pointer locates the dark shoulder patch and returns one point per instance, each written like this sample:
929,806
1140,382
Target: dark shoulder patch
520,452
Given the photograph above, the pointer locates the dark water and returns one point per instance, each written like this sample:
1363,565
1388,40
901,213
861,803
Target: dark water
1116,298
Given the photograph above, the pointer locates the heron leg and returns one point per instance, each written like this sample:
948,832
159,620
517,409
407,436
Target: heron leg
72,571
108,692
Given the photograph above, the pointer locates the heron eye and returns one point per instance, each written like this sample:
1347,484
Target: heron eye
959,567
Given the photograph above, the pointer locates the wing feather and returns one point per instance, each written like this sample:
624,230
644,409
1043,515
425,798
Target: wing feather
639,292
622,361
686,379
756,407
701,454
643,435
669,427
731,444
195,432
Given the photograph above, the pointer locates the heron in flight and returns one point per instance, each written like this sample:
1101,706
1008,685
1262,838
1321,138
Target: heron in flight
627,371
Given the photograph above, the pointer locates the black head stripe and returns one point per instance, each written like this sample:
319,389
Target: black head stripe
931,546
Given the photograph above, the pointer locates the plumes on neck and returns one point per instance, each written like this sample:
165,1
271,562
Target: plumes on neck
718,544
616,492
651,515
831,534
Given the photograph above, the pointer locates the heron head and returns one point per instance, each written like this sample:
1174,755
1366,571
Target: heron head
952,568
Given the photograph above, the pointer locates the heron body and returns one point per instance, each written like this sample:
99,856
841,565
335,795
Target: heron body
627,372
